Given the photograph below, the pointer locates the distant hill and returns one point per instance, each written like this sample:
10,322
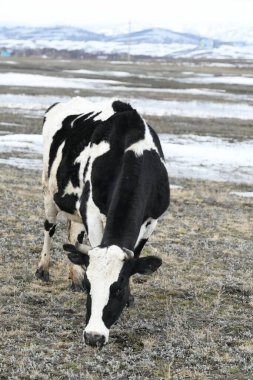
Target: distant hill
49,33
154,42
158,35
60,33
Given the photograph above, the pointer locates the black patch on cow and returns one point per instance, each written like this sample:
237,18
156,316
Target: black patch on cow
74,175
83,207
139,248
140,192
80,237
119,296
52,231
67,202
88,308
86,168
119,106
50,227
121,131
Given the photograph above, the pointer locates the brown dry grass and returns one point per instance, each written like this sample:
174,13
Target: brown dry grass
192,320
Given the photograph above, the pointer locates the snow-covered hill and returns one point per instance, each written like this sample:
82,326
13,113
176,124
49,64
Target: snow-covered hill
155,42
158,35
243,35
57,33
152,35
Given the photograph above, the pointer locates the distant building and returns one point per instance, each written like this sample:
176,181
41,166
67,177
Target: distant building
6,53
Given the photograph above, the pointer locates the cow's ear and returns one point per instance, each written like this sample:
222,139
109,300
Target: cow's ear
75,256
146,265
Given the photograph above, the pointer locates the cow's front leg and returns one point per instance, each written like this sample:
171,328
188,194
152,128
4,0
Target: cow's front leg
76,233
49,229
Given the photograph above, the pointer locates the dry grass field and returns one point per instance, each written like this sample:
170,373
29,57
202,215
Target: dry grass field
192,319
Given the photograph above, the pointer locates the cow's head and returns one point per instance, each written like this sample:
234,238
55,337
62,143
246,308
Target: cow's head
107,283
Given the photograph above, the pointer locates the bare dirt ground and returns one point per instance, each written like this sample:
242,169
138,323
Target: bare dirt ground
191,320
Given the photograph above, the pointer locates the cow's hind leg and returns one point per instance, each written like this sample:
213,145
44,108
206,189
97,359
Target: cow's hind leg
76,233
49,230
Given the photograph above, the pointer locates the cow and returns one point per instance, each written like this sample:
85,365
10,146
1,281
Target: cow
104,168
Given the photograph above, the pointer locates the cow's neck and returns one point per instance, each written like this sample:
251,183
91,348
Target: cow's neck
126,214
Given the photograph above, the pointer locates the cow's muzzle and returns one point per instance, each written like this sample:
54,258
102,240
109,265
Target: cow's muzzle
94,340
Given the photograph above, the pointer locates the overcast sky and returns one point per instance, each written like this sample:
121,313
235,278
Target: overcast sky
181,15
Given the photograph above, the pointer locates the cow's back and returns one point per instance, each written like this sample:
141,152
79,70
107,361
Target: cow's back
66,111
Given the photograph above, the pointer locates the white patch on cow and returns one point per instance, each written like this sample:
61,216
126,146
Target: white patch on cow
95,219
70,189
107,111
146,230
145,144
73,217
103,270
52,182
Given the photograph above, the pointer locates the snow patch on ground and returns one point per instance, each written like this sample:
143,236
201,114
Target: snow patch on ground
208,158
22,163
21,143
192,108
176,187
187,156
35,80
209,79
30,102
119,74
245,194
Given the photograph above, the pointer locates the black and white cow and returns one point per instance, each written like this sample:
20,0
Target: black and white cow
104,168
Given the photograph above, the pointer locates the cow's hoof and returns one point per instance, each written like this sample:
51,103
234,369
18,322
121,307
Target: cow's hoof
76,287
42,274
130,302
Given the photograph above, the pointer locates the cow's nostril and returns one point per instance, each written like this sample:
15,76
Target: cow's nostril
94,340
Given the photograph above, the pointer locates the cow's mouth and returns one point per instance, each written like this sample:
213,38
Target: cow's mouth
94,340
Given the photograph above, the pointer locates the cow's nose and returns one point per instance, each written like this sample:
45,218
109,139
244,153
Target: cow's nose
95,340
